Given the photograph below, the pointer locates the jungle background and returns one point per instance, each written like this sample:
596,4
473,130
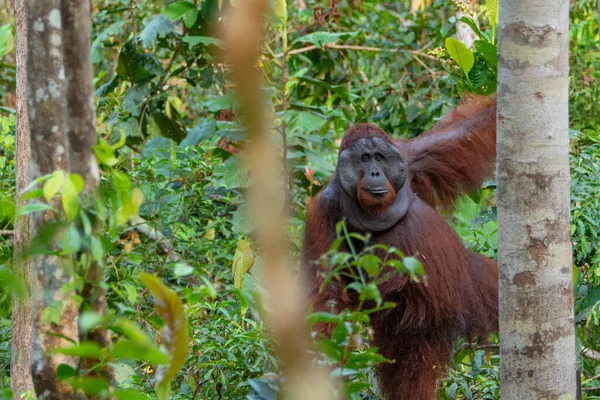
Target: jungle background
167,125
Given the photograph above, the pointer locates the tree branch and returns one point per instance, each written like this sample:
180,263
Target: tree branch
591,354
140,225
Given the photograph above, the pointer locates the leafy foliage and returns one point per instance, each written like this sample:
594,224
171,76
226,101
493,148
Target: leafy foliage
170,149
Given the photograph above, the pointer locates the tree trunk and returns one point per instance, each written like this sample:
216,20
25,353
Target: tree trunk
266,199
537,333
47,110
82,136
416,5
20,369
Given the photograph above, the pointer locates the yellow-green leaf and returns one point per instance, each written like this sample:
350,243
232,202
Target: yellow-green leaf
175,331
460,54
210,234
70,200
53,185
136,200
492,12
242,262
281,9
77,181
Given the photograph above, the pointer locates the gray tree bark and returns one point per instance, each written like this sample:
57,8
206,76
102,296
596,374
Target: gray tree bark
48,113
82,136
20,369
537,332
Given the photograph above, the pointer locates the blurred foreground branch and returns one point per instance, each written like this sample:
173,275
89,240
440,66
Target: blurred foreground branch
285,302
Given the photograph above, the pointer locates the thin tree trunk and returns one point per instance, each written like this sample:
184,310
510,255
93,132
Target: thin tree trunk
266,199
82,136
80,95
47,110
416,5
537,332
20,368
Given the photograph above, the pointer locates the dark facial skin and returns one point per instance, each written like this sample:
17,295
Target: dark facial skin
372,162
371,171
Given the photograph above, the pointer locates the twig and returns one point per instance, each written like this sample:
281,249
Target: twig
590,389
591,354
140,225
132,7
284,106
7,233
353,47
591,379
417,59
487,346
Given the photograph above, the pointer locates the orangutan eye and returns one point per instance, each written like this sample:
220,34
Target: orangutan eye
365,158
378,157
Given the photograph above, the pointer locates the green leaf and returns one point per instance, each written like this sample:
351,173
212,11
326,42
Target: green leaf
103,36
33,194
160,26
105,154
71,241
130,394
205,40
123,373
83,349
190,18
132,330
203,131
70,200
460,54
177,10
168,127
140,351
479,74
364,360
221,103
96,248
370,263
308,122
180,270
121,181
137,197
492,12
77,182
31,208
320,39
65,371
90,385
469,21
7,40
230,174
370,292
129,65
53,185
488,51
134,98
414,267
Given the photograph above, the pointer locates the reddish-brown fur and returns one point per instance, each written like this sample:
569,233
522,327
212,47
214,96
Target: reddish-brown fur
376,204
461,295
